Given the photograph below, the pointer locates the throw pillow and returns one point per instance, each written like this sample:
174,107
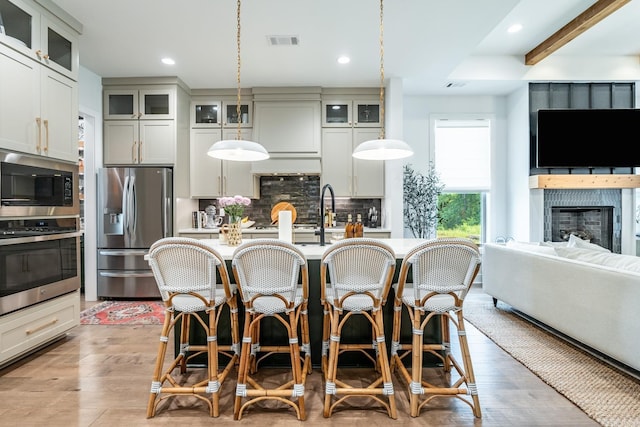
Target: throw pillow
555,244
576,242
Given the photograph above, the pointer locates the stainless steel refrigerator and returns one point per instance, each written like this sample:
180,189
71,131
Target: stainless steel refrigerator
135,208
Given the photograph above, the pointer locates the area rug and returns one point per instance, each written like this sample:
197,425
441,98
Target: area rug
607,395
124,313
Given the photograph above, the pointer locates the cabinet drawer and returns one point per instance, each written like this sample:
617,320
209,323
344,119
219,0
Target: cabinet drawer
28,329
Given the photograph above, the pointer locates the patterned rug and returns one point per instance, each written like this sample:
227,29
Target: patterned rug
124,313
604,393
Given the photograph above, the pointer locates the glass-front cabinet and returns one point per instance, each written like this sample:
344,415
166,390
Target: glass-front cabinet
39,35
134,104
215,114
351,113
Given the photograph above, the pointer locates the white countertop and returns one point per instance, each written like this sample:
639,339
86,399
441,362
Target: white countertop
254,230
314,251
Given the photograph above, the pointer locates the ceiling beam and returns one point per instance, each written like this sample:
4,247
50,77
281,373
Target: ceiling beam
581,23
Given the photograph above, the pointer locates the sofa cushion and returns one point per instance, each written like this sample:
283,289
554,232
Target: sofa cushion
608,259
576,242
555,244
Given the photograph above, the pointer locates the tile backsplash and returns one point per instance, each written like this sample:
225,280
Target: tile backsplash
303,192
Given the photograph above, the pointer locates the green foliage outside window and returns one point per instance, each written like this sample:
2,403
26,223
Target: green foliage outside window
459,215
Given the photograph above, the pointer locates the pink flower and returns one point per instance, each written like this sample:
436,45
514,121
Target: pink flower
234,206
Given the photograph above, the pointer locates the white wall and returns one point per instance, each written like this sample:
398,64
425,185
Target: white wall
417,132
90,107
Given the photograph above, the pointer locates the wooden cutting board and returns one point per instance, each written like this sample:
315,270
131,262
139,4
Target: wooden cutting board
282,206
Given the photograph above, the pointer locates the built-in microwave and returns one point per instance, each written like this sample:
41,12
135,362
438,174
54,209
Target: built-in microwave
37,186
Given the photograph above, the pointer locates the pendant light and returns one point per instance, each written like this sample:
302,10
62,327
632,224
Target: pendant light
238,149
382,148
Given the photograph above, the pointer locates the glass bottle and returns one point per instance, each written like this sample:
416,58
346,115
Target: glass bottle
358,228
348,228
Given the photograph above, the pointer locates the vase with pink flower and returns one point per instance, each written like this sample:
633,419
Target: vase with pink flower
234,207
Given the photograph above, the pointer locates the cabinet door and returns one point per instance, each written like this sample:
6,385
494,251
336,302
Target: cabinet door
59,116
230,114
366,113
368,174
336,160
120,142
59,49
156,104
337,113
237,177
120,104
205,179
21,26
206,114
19,101
288,128
157,142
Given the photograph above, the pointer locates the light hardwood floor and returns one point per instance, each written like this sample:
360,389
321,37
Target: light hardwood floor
101,375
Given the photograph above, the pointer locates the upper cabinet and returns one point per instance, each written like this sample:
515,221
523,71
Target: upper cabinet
41,35
221,113
139,104
145,121
38,99
351,113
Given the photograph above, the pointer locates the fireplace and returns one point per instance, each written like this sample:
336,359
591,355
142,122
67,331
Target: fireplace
589,214
591,223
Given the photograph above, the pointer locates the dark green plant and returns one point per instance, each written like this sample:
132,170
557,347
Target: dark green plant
421,201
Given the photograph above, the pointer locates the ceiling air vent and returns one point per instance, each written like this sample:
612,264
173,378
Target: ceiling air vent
283,40
455,84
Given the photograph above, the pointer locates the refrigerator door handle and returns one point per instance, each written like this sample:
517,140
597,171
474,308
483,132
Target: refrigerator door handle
125,206
125,274
123,252
133,206
166,211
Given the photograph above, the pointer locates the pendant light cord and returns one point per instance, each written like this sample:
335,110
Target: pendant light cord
238,109
382,132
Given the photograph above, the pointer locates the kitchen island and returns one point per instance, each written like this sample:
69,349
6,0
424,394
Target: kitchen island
301,234
358,327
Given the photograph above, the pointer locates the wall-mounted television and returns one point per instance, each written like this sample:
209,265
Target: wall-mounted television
595,138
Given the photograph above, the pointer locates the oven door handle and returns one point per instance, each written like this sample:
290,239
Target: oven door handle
123,252
41,238
126,274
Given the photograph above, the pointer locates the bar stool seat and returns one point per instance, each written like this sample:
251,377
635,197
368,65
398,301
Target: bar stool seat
442,271
185,272
273,282
360,273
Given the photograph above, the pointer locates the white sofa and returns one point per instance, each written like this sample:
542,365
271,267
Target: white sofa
597,305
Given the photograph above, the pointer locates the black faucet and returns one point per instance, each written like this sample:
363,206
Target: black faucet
333,209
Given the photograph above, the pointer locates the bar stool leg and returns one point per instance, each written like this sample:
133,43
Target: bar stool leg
383,362
468,366
157,373
243,366
332,361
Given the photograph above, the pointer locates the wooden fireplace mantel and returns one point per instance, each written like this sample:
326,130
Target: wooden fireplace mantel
583,181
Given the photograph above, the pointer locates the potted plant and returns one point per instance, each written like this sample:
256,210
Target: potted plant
421,193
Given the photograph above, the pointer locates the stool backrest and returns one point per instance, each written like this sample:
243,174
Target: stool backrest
182,265
358,265
270,267
442,266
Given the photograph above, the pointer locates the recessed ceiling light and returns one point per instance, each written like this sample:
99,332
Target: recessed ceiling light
344,60
168,61
514,28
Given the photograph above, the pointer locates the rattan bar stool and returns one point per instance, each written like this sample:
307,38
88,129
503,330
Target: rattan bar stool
442,270
360,275
185,272
273,282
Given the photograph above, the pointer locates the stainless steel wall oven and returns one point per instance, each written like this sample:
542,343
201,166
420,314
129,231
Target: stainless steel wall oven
39,230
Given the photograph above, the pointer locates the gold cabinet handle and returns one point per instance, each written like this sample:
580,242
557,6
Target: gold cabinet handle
134,152
140,152
41,327
39,53
46,57
46,140
224,185
39,142
220,186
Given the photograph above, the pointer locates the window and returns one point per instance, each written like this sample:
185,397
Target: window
462,153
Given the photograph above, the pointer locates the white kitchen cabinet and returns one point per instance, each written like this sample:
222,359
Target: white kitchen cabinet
25,330
38,108
349,112
139,103
288,128
144,142
42,36
348,176
214,177
221,113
